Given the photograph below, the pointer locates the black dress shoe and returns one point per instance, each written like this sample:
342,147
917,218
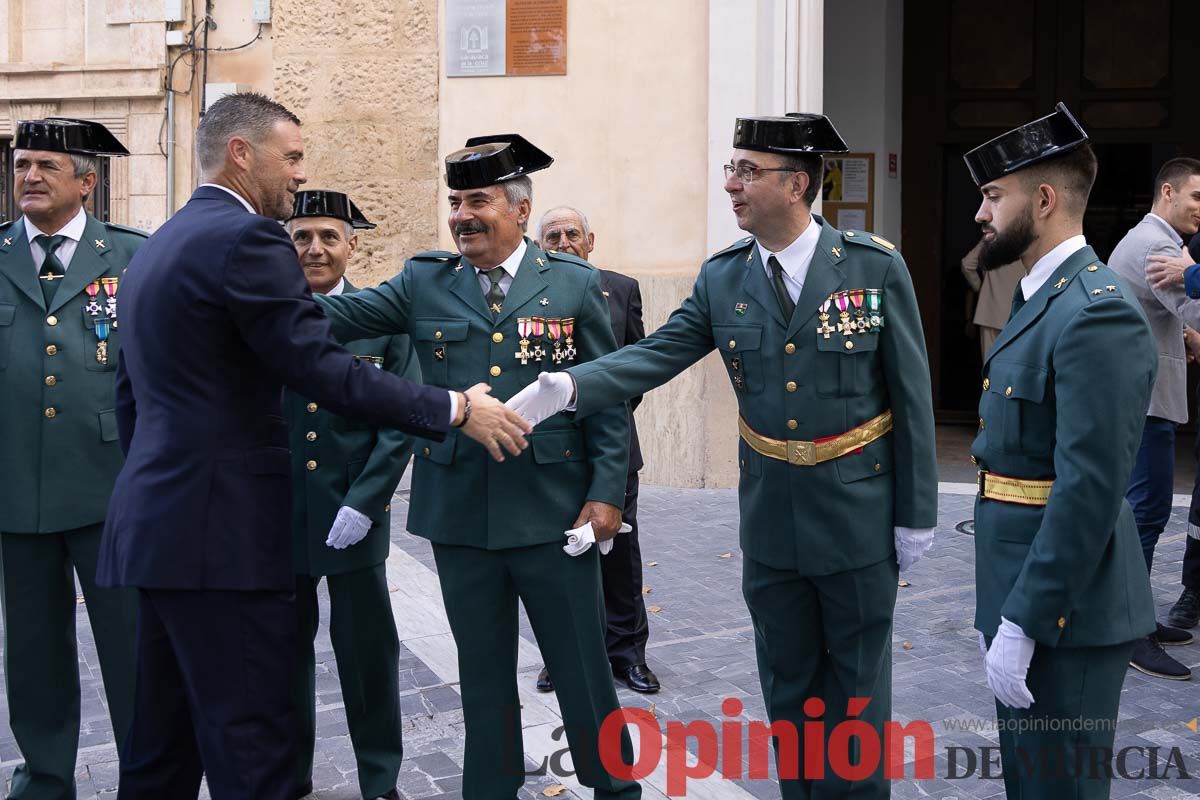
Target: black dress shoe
1170,637
639,677
1186,611
390,794
544,684
1150,658
304,791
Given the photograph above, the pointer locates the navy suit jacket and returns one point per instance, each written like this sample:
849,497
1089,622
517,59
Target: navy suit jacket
216,316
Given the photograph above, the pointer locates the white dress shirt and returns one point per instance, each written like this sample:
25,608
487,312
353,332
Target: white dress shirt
795,259
1047,264
241,199
510,266
73,230
338,289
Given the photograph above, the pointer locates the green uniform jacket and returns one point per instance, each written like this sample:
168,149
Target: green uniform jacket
341,462
793,383
1065,392
460,496
58,453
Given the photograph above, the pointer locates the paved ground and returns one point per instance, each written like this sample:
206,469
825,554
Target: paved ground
701,647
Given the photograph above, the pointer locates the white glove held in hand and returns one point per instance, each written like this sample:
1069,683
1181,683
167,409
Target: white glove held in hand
911,544
539,401
581,538
1008,663
349,527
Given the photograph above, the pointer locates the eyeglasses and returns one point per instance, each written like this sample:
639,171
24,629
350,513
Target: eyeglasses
747,173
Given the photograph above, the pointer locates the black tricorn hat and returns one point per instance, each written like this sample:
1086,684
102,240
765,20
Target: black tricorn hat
1050,136
488,160
66,135
790,134
326,203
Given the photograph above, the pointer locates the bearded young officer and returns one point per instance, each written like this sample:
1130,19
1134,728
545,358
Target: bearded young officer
344,474
1061,587
59,342
819,332
505,311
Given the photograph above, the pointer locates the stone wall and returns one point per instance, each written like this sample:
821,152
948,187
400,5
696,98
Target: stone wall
363,78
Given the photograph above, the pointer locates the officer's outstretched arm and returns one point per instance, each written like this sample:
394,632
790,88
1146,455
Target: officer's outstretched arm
379,311
1097,433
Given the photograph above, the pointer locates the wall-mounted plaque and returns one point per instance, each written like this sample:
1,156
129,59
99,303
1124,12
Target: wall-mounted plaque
506,37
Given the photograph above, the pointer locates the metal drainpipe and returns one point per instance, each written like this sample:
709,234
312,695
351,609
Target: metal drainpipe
170,151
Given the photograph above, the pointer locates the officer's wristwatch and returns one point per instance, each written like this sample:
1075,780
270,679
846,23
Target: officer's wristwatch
466,410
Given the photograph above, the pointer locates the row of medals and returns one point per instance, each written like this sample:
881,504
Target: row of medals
534,330
868,320
104,316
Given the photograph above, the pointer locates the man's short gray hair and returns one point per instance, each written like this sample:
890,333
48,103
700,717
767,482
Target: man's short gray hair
249,115
587,227
82,164
516,190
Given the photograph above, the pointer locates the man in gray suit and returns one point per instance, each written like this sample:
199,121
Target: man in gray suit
1167,308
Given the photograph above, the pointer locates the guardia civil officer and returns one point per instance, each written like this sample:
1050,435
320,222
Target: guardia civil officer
1062,592
59,340
819,333
344,473
505,311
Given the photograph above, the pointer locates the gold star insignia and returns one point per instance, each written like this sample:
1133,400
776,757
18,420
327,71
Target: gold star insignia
1061,283
1097,291
545,301
837,252
1110,288
100,245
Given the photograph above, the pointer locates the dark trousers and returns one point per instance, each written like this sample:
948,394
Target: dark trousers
624,605
1058,747
828,637
367,648
214,697
41,659
561,595
1152,482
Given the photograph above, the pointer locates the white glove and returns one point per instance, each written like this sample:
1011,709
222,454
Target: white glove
349,527
581,538
911,544
1008,664
551,394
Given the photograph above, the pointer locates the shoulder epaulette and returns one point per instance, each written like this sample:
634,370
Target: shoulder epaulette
1099,281
870,239
740,244
126,229
570,258
436,255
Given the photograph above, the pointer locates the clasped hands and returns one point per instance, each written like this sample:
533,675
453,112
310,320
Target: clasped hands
493,425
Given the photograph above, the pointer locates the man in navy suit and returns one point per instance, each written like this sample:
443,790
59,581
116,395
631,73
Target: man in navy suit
217,315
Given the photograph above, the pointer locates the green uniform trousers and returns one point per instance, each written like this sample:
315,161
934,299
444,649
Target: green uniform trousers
563,600
41,659
367,650
1060,748
827,637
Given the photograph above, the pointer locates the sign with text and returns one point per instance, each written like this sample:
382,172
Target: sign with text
506,37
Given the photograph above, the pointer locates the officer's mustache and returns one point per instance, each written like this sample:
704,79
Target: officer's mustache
469,227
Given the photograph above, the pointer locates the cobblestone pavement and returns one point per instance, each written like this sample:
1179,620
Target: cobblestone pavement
701,646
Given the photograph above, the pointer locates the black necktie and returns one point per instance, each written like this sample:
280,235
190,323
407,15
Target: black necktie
495,294
1018,301
781,292
52,270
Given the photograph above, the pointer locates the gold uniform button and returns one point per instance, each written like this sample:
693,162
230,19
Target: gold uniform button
986,384
789,348
1062,622
732,343
425,452
51,350
51,412
312,408
566,453
1093,268
51,380
311,436
790,386
310,466
792,424
387,508
497,337
1008,392
878,467
51,320
849,345
495,371
437,334
981,423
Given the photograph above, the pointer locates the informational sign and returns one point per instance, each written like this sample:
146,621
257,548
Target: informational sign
506,37
848,191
